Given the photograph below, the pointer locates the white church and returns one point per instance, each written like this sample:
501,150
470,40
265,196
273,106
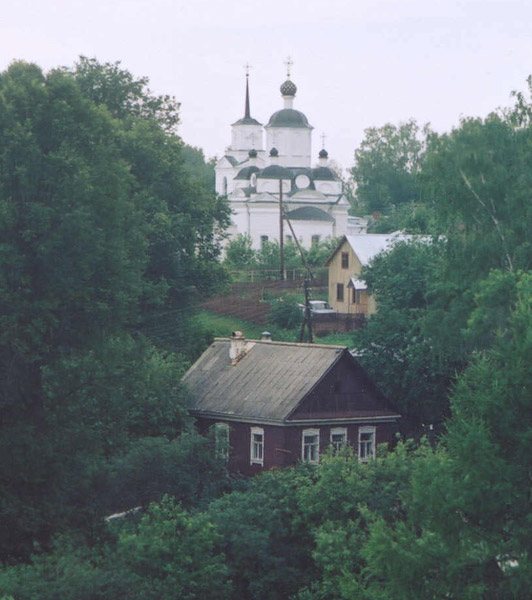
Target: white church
259,179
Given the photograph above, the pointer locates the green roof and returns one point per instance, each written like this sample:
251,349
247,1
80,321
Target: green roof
274,172
231,159
289,117
247,121
324,174
246,172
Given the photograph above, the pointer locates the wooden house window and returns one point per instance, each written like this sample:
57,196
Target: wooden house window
310,451
338,438
340,292
345,260
357,296
366,443
315,240
221,440
257,446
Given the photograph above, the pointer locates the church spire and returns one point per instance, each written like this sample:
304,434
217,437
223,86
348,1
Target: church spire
247,114
247,119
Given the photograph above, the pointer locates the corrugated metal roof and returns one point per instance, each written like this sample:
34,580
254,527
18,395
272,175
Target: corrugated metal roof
367,245
267,383
358,284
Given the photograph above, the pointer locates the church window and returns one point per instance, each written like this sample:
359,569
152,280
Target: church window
340,292
225,186
263,240
315,240
288,238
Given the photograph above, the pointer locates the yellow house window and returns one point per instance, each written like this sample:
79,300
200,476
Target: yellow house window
345,260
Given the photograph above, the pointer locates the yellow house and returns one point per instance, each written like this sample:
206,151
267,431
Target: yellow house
348,294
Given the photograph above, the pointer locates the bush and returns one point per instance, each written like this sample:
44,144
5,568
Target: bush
285,312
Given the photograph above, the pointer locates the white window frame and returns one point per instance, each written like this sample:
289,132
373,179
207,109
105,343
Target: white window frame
308,432
221,440
363,454
337,446
256,447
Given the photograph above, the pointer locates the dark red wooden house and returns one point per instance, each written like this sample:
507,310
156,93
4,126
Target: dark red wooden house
273,404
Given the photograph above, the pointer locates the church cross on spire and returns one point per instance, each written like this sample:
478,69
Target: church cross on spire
288,62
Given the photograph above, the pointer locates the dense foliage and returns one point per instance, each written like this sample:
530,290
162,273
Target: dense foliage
102,232
387,166
91,412
241,256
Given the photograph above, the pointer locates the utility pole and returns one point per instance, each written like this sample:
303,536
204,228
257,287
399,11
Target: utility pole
307,316
307,313
281,228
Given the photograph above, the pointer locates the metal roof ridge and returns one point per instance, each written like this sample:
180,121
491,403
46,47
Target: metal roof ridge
284,343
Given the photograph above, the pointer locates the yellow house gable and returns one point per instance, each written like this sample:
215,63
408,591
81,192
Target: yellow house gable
345,265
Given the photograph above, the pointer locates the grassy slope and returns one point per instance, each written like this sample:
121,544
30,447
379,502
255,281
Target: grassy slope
219,326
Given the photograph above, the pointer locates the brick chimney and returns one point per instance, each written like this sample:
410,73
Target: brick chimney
238,347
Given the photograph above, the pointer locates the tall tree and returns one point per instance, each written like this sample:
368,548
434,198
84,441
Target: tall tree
467,528
387,164
100,229
413,363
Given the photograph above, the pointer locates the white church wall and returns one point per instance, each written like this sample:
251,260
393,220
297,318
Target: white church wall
328,187
294,145
271,186
339,214
264,222
309,231
246,137
224,180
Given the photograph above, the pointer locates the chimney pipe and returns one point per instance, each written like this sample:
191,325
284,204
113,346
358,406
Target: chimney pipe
238,345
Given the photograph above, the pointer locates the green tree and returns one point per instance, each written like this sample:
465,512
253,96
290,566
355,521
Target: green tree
168,554
267,545
198,167
96,241
387,165
183,218
239,253
477,178
467,529
411,362
174,555
339,507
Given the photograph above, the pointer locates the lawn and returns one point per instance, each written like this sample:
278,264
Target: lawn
220,326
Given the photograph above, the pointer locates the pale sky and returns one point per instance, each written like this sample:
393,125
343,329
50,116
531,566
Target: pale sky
356,64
